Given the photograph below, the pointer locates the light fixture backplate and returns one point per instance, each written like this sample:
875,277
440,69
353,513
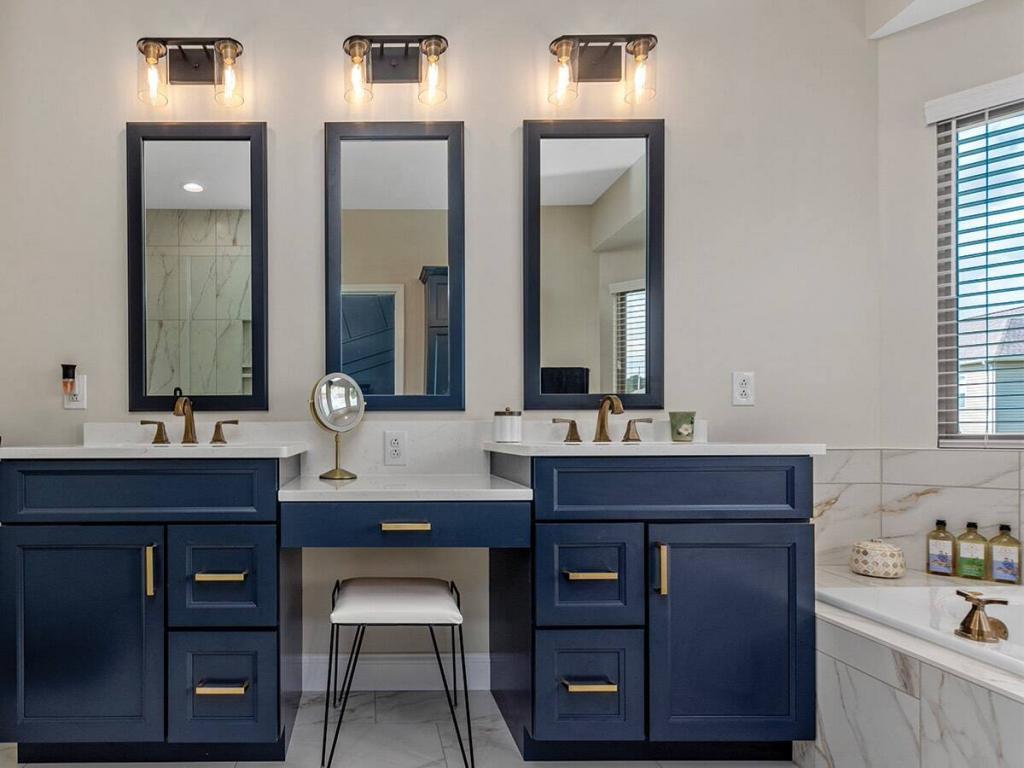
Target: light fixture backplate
190,59
600,57
395,58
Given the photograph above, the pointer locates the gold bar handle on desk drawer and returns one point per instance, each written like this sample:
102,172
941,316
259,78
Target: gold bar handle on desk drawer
204,576
150,576
221,689
592,575
663,569
590,687
405,527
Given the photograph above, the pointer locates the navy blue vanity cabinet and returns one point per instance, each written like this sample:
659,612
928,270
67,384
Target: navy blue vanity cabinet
666,610
150,607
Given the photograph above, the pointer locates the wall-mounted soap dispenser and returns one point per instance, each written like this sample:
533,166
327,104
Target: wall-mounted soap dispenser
72,387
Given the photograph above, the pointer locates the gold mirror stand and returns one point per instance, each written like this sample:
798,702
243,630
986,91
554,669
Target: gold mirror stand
337,473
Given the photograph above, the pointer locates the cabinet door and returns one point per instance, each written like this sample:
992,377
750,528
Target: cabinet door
83,651
732,641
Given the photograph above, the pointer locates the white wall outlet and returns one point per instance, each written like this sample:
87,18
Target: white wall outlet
76,400
394,448
742,387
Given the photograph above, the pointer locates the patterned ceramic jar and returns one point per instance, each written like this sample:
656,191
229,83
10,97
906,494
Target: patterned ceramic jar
877,558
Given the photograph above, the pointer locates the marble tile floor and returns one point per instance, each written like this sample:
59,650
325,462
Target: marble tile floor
410,729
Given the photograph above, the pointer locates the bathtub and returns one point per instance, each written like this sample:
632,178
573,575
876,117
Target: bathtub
932,613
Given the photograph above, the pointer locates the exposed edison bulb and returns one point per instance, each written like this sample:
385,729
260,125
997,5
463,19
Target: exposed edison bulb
640,73
358,86
433,75
563,85
227,75
152,77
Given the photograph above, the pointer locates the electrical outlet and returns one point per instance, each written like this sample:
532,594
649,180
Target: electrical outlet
76,400
742,387
394,448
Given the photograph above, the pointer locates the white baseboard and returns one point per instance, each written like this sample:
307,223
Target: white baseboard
397,671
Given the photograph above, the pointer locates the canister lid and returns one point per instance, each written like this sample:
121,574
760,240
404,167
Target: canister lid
508,412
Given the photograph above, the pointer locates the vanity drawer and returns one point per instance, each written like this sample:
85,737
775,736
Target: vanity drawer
222,575
222,687
138,490
672,487
498,524
590,573
589,685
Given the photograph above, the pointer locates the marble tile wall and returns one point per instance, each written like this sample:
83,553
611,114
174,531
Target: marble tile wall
877,706
198,301
898,494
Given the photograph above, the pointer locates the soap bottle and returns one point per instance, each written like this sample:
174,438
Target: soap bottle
970,553
940,550
1004,554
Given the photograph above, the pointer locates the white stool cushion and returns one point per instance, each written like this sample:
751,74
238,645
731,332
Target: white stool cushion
395,601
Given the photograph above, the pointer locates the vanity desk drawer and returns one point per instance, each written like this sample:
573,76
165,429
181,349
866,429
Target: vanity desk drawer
589,574
138,490
222,687
221,575
673,487
406,524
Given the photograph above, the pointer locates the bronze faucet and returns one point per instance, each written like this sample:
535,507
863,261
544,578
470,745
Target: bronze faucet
183,407
607,402
978,625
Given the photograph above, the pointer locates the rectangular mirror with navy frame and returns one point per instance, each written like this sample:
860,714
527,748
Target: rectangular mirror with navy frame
593,242
197,265
395,262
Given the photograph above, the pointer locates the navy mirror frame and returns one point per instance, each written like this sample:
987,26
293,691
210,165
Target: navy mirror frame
452,132
654,132
135,136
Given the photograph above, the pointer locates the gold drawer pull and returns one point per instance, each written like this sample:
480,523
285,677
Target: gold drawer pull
407,527
663,569
592,575
590,687
150,576
204,576
222,690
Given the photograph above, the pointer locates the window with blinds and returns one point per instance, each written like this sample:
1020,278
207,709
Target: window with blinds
981,276
631,341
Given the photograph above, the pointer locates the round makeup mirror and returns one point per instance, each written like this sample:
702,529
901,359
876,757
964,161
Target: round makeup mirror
337,405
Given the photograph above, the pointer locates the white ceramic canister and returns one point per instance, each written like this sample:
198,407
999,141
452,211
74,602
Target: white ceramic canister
508,426
877,558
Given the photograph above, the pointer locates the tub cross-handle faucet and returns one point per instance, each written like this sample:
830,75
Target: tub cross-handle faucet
979,626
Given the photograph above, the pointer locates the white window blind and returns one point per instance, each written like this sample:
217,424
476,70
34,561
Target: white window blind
631,341
981,276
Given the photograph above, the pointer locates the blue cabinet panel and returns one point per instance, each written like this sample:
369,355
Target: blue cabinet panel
138,490
659,488
590,574
452,524
82,644
731,646
201,558
571,659
222,687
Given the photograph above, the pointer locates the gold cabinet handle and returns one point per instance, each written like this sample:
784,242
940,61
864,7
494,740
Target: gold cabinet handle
663,569
407,527
590,687
204,576
592,575
150,577
205,689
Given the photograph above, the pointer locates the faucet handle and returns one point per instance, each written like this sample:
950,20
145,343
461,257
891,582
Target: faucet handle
218,432
160,438
977,599
631,435
573,433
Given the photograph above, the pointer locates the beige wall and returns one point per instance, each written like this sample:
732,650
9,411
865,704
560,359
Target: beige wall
393,247
975,46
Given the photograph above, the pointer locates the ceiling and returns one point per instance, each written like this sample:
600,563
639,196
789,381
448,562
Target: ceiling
394,175
221,167
579,171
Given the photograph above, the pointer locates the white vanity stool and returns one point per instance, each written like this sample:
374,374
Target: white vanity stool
393,602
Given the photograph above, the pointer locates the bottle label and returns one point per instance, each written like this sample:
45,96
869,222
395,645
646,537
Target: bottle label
940,557
972,560
1006,564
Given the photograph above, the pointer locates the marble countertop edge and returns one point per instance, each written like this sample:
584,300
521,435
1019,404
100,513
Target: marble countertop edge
282,450
654,449
404,487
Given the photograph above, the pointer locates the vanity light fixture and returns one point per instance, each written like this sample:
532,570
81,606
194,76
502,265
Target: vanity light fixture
190,61
192,186
396,59
599,59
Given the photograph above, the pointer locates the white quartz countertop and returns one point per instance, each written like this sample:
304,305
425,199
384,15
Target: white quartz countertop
405,488
148,451
656,449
